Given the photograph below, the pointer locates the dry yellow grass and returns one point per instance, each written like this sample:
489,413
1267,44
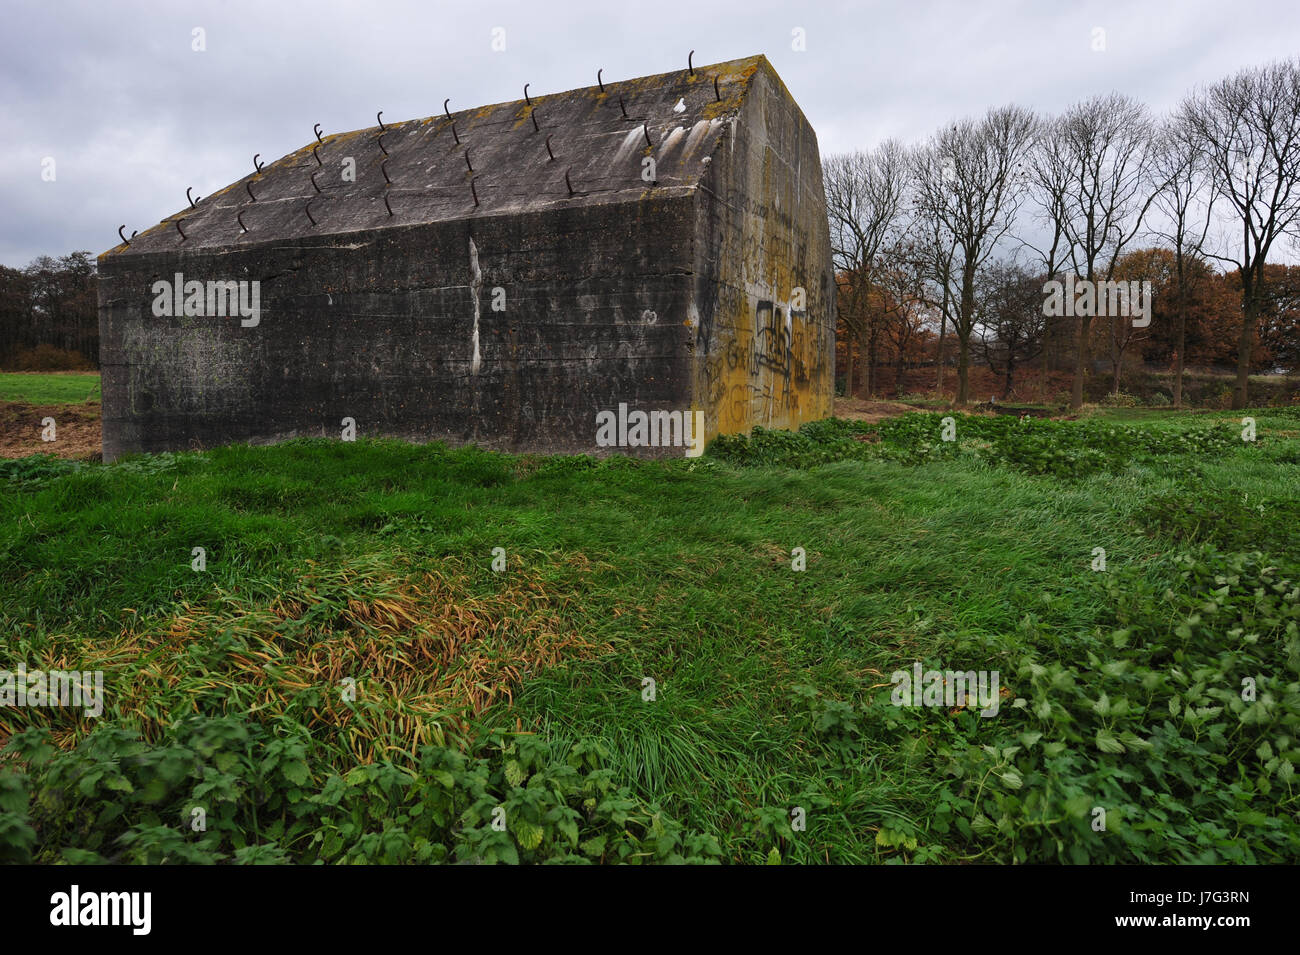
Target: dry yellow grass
425,652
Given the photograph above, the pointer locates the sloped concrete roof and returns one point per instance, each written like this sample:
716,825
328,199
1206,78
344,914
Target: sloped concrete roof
429,176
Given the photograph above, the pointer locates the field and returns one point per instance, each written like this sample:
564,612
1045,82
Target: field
47,388
647,675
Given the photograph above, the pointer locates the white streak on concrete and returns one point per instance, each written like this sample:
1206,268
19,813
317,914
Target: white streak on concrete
475,285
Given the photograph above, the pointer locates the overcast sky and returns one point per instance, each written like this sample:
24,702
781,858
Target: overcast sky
131,114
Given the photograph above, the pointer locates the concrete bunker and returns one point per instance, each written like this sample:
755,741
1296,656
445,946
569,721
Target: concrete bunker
512,276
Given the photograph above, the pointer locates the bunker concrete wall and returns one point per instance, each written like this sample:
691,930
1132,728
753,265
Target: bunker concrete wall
380,327
765,358
510,324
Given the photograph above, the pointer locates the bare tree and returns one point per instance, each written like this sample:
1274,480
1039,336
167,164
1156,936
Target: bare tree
1009,303
864,202
901,279
1248,127
937,249
1185,200
1093,178
970,182
1048,180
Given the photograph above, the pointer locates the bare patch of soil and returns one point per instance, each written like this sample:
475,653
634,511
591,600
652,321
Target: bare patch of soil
76,430
860,409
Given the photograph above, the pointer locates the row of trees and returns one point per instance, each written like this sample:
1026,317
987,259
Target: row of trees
961,233
50,303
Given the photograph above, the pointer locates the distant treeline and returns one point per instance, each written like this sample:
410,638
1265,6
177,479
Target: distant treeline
49,320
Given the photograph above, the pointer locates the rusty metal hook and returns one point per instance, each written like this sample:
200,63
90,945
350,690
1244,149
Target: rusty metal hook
533,114
316,130
600,81
239,217
548,148
386,205
187,195
381,145
467,162
313,182
622,107
526,97
474,190
566,181
307,209
444,107
179,229
645,128
317,155
715,89
379,117
689,64
249,187
383,167
256,165
453,132
122,235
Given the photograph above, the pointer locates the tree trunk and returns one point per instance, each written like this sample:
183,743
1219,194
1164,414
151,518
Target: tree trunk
1182,333
1116,353
1245,345
965,327
874,377
848,371
963,365
1080,364
943,328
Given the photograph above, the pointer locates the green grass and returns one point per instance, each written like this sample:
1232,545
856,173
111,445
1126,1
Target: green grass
43,388
770,684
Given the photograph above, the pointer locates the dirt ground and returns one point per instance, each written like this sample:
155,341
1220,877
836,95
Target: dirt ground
76,430
77,434
860,409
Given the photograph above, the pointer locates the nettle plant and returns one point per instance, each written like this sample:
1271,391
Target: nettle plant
219,789
1169,738
1066,449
